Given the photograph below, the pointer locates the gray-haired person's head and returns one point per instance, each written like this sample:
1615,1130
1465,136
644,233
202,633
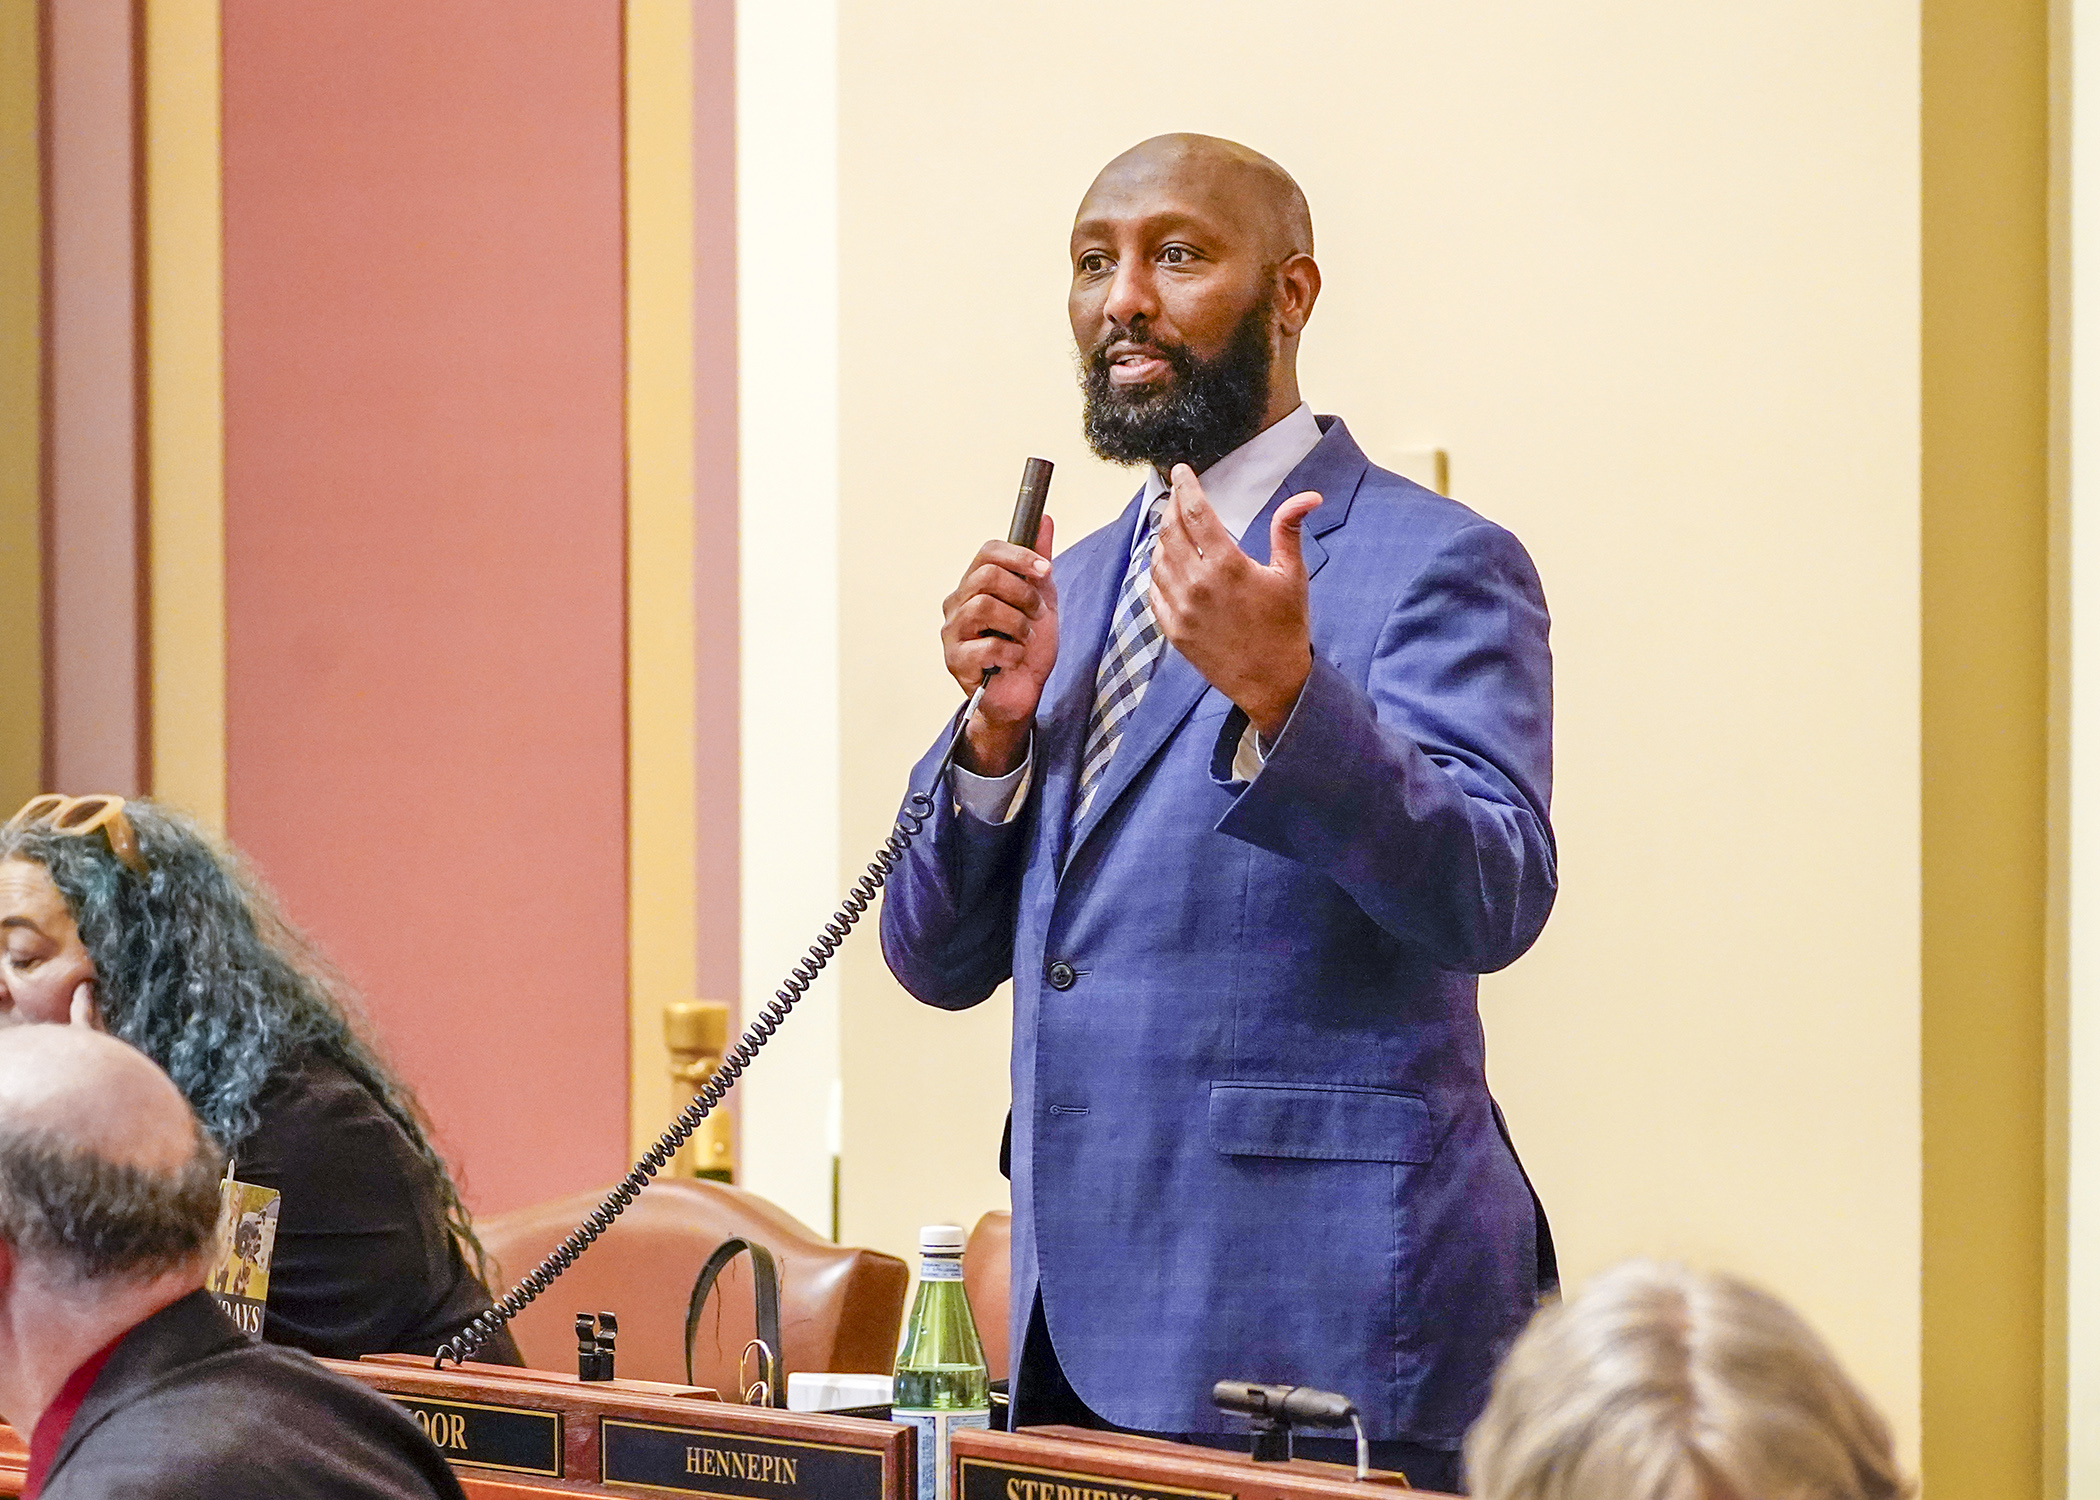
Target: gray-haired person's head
83,1218
1664,1383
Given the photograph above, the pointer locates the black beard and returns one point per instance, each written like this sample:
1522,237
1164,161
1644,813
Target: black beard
1207,409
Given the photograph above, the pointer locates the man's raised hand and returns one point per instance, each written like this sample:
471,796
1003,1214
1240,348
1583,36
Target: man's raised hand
1003,614
1242,624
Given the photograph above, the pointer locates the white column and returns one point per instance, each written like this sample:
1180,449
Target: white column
2077,1116
787,352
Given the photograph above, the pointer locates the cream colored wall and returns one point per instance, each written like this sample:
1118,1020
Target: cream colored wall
787,146
2076,1054
1649,272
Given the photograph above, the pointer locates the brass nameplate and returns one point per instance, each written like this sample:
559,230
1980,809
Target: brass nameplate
989,1479
514,1438
734,1464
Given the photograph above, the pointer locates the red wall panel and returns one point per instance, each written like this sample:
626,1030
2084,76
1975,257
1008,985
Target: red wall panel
716,765
424,514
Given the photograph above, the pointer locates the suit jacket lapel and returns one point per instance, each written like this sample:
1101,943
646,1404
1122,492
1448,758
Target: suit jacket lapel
1256,542
1173,691
1335,468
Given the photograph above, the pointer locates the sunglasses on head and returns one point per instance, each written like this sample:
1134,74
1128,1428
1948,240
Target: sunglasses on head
80,816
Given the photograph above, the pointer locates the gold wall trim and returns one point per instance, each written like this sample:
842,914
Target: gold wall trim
662,908
185,407
1985,629
21,404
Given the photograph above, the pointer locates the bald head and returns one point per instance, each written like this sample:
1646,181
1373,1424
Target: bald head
105,1174
1192,279
1237,182
82,1091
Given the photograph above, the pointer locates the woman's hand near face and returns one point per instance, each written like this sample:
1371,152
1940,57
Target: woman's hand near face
46,974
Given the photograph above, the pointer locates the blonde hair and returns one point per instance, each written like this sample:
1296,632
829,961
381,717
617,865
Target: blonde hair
1664,1383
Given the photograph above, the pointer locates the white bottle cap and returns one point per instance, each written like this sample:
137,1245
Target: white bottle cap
941,1239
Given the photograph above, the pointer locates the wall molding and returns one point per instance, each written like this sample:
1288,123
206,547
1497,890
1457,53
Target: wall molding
662,907
185,418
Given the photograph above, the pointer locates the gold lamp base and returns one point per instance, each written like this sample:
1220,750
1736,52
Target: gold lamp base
697,1032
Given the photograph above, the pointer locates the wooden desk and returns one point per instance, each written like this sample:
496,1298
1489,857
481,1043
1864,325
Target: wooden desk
566,1435
1069,1463
512,1433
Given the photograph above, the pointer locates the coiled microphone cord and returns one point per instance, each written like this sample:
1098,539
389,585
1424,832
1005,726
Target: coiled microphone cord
911,821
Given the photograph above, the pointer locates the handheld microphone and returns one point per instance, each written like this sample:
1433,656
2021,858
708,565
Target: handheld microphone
1299,1405
1028,519
1028,508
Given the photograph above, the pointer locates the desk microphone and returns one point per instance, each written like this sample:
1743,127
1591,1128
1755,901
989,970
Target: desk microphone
1299,1405
1276,1409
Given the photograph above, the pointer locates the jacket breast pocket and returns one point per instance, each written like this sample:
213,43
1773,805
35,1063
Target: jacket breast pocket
1319,1122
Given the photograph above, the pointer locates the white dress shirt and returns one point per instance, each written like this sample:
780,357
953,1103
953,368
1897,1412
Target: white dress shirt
1237,486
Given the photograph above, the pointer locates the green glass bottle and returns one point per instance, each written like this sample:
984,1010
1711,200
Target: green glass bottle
941,1382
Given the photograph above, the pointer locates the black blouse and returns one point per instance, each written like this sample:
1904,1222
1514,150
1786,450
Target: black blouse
364,1261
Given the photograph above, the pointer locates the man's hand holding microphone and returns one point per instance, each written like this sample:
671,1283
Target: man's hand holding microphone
1003,616
1244,625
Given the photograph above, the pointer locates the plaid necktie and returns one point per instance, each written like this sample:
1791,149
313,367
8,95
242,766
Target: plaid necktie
1133,650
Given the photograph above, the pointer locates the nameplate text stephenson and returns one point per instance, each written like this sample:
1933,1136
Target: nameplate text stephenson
491,1437
986,1479
735,1466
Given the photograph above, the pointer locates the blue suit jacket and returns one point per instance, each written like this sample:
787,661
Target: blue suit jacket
1252,1137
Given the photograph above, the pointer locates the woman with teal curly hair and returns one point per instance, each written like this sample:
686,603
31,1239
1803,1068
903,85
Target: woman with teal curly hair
124,916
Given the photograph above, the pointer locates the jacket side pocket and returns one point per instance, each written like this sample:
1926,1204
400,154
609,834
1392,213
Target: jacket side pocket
1320,1122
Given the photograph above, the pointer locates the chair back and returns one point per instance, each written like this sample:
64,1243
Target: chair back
987,1268
840,1308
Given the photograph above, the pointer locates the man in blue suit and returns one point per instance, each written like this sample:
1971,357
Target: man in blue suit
1260,787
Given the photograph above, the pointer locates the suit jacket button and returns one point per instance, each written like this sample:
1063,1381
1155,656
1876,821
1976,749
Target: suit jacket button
1061,976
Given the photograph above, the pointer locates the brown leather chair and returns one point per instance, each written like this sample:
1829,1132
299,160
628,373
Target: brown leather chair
987,1268
840,1308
